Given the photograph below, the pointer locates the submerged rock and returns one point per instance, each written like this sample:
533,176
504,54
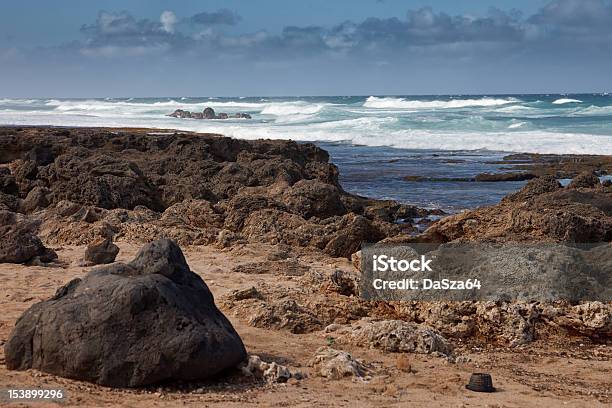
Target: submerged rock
208,113
128,325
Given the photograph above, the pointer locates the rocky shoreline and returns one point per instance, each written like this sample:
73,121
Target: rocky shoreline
286,229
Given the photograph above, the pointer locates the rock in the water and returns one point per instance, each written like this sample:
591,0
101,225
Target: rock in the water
513,176
208,113
101,252
128,325
584,180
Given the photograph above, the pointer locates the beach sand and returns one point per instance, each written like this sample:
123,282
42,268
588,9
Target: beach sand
537,374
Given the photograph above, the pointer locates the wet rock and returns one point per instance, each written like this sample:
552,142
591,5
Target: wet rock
128,325
101,252
584,180
208,113
514,176
336,364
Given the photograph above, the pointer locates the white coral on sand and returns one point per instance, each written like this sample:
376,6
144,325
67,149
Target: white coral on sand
337,364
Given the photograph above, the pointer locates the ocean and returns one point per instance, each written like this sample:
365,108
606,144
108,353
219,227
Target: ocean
375,140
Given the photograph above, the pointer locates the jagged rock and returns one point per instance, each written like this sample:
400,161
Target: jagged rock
102,181
584,180
335,365
313,198
534,187
128,325
7,182
541,211
9,202
19,244
35,200
395,336
101,252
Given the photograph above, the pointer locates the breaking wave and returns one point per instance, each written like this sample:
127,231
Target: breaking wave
563,101
400,103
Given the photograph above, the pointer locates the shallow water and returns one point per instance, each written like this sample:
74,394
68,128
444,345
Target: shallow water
379,172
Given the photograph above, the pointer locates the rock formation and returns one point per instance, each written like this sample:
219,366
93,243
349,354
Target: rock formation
128,325
208,113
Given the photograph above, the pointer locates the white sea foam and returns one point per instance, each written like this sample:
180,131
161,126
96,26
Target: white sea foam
291,108
563,101
401,103
483,123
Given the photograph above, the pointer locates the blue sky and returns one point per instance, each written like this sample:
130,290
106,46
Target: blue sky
75,48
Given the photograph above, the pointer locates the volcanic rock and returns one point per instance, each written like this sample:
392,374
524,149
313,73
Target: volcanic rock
19,244
584,180
128,325
101,252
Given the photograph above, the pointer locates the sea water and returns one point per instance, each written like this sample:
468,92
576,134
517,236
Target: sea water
375,140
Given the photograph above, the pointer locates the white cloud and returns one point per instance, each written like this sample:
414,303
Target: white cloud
168,20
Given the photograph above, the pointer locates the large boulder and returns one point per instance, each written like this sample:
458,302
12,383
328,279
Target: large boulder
128,325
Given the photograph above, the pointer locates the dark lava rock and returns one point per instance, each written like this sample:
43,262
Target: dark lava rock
19,244
313,198
208,113
7,182
102,181
101,252
36,199
128,325
537,186
514,176
584,180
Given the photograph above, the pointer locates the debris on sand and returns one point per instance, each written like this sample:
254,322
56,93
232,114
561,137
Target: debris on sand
272,372
336,364
395,336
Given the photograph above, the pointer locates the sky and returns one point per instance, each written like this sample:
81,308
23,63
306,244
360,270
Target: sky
130,48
